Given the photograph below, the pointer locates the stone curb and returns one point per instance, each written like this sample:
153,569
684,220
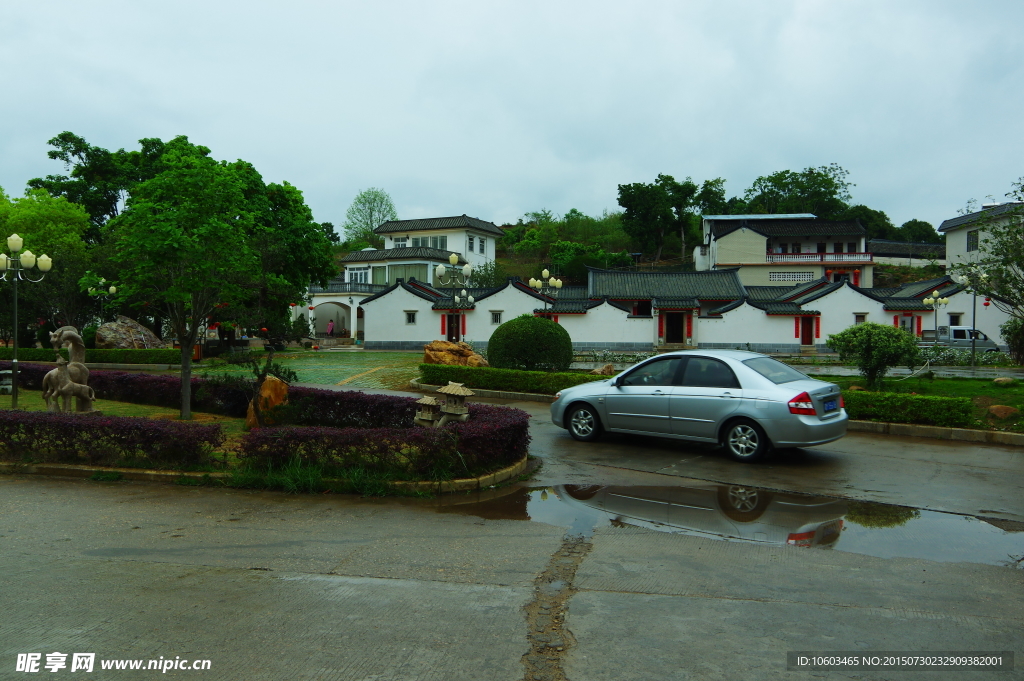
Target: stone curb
146,475
492,394
993,437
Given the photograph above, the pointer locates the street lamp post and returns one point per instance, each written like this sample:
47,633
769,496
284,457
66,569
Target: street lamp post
972,278
547,285
936,304
448,275
17,266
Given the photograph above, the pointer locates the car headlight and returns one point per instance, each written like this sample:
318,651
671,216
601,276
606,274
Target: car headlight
558,395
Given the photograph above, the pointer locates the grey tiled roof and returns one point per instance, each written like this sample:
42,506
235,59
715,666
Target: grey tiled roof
725,308
906,249
570,306
818,293
922,288
676,303
573,293
456,222
783,227
770,292
418,253
706,285
783,308
415,290
996,211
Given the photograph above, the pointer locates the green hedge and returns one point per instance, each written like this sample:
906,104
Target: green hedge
509,380
903,408
154,356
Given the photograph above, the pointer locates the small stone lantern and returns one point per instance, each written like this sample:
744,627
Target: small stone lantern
429,412
454,407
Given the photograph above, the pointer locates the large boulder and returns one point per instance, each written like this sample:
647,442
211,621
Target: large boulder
1003,411
273,392
456,354
126,334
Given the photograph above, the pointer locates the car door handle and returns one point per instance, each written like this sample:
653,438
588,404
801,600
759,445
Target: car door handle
658,392
729,395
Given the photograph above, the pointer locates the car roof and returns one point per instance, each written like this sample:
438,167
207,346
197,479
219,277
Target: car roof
738,355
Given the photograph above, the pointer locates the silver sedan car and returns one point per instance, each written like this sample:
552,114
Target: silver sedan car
747,402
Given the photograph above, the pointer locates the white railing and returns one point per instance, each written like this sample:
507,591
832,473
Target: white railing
819,257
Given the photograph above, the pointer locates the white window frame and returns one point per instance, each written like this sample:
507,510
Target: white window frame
413,317
357,275
483,245
400,241
973,240
471,243
496,317
863,315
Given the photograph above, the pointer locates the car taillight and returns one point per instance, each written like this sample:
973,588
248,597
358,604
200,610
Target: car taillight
804,539
842,402
801,404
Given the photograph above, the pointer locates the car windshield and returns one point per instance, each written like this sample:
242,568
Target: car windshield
774,370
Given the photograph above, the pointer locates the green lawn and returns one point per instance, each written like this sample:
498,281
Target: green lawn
32,400
357,368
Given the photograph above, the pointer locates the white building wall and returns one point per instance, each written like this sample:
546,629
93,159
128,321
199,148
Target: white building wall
385,327
747,327
510,302
458,242
606,327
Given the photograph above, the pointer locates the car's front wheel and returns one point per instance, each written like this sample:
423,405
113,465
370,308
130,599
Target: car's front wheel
584,423
745,441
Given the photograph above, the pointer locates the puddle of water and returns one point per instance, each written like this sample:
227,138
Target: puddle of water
749,514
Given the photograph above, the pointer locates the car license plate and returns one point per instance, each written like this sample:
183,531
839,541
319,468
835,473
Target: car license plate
831,405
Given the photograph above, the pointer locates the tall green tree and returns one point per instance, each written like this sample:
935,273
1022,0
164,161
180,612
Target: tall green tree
653,211
99,180
369,210
823,191
181,243
877,224
55,227
919,231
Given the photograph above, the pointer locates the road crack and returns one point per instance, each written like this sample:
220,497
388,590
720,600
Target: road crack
549,640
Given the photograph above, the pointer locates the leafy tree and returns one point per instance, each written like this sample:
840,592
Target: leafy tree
491,274
181,243
56,227
99,180
875,348
1013,333
653,211
920,231
369,210
530,343
877,224
823,191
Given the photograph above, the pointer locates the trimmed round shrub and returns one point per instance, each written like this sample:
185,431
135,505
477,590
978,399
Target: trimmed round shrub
530,343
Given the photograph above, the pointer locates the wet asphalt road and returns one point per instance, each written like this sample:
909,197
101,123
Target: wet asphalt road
272,586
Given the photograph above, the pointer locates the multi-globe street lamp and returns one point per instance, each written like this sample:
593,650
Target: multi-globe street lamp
936,303
547,285
448,275
17,265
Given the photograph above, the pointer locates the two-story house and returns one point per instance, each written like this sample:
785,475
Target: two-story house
785,249
412,250
964,233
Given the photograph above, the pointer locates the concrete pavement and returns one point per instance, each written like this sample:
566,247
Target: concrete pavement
274,586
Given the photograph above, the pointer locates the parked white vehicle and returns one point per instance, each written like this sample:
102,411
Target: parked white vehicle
958,337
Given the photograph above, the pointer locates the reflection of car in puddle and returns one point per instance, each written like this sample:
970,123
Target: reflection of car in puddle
734,512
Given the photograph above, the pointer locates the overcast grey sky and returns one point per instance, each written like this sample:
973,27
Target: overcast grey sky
495,109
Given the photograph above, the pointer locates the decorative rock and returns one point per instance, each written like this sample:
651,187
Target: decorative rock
273,392
1004,380
453,354
856,388
126,334
1002,411
606,370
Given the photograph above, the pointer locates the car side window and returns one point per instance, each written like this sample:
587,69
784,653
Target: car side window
959,334
704,372
659,372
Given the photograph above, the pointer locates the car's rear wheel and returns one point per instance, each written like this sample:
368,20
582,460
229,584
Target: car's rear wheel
745,441
741,503
584,423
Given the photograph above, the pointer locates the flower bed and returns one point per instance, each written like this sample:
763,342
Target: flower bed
33,436
904,408
326,428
